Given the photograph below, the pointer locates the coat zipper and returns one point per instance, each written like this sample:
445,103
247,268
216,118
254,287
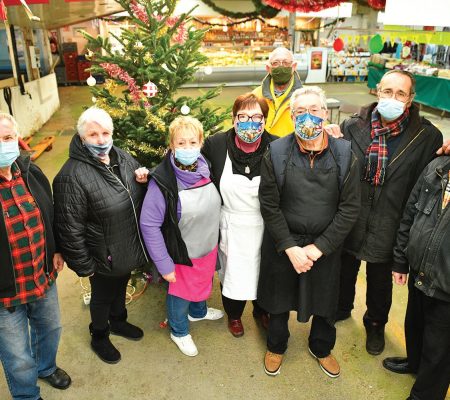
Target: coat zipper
134,210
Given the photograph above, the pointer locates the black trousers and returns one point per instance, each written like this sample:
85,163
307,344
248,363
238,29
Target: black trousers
235,308
322,336
427,331
379,288
107,299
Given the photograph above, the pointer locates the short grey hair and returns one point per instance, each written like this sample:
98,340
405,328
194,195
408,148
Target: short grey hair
94,114
13,122
309,90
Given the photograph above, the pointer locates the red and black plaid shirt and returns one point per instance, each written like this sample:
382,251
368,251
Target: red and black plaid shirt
26,238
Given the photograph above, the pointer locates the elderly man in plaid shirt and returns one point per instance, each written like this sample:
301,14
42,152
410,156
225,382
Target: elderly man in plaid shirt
29,312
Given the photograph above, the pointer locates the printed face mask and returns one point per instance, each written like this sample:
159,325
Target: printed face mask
99,150
249,132
307,126
9,151
390,109
187,156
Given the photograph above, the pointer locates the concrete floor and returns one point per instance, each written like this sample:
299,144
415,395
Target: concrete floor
226,367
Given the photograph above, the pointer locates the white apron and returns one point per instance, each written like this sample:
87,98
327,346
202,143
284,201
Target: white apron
241,231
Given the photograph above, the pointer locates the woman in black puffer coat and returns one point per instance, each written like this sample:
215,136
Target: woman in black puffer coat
97,205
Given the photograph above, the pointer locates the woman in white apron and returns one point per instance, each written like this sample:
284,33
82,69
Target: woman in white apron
235,158
180,227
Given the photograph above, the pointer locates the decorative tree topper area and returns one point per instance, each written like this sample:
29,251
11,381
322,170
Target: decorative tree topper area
159,53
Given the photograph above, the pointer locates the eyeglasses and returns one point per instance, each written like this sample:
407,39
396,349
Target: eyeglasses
389,93
281,63
254,117
312,110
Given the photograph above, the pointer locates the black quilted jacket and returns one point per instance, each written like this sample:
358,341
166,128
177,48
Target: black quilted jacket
97,214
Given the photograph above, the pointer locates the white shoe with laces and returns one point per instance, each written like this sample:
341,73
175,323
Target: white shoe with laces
211,314
185,344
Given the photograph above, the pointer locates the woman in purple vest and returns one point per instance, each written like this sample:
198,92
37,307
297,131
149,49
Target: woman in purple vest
180,226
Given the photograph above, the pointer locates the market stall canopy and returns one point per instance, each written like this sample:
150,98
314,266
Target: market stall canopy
57,13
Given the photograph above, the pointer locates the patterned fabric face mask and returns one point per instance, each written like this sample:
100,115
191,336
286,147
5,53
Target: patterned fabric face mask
308,127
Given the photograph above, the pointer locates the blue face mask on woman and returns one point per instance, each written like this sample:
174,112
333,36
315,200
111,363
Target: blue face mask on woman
390,109
9,151
187,156
99,150
308,126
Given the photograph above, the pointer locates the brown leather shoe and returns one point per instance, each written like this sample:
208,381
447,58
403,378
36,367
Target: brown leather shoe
263,319
328,364
235,327
272,363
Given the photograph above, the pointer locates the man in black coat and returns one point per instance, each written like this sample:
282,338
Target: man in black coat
423,251
30,326
393,144
309,197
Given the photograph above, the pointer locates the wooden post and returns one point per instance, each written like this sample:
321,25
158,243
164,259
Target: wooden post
15,67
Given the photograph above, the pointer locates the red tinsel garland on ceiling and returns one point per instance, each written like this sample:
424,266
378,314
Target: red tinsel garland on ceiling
377,4
303,5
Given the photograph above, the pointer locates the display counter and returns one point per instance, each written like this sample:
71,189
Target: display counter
246,75
431,91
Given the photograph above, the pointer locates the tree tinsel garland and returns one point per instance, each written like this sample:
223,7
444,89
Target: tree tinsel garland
261,10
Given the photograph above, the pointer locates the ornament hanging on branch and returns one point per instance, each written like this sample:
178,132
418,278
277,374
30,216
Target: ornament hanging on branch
150,89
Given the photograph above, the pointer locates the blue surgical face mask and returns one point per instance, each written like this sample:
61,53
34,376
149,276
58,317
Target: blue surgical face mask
99,150
249,132
9,151
308,127
187,156
390,109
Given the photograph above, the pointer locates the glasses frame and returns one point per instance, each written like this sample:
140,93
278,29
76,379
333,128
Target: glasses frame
382,93
247,118
276,64
307,110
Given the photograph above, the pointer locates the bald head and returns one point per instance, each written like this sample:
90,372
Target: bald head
281,53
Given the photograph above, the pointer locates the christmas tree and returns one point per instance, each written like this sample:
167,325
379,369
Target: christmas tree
158,53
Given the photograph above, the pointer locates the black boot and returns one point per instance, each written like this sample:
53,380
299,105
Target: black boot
375,337
103,347
120,327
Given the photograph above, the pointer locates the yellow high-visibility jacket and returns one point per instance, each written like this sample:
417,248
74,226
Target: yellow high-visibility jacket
279,120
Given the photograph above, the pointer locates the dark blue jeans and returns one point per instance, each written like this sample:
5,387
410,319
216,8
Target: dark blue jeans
177,313
29,339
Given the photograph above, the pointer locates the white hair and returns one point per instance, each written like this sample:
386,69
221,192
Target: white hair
280,51
309,90
13,122
97,115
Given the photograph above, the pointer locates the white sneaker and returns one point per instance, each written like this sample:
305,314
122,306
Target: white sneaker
185,344
211,314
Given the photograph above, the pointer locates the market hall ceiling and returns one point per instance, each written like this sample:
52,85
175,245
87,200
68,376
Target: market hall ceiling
57,13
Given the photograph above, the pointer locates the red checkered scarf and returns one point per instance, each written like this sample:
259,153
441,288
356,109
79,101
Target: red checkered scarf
377,152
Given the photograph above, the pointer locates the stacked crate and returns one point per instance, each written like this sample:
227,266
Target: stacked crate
70,56
83,65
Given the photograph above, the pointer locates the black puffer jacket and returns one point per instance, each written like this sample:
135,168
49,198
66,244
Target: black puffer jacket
373,236
39,187
96,215
423,240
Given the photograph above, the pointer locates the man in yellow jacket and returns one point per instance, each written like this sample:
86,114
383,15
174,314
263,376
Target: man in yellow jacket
277,87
